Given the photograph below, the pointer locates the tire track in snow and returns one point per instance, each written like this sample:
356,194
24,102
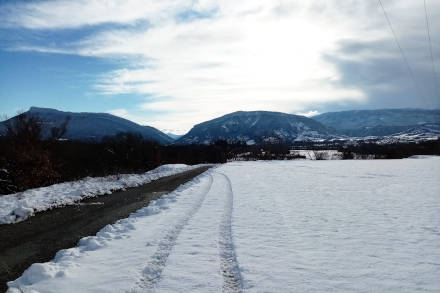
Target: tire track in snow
153,271
232,280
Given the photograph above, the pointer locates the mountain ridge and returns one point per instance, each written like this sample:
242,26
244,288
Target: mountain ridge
257,126
93,126
379,122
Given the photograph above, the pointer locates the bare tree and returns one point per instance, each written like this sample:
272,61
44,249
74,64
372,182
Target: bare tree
321,155
28,160
318,155
24,129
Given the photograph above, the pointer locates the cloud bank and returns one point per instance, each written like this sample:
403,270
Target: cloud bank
195,60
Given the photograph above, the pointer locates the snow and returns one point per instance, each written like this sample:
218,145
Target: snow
422,156
311,154
277,226
19,206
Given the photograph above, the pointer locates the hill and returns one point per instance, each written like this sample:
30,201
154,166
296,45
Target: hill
93,126
383,122
257,127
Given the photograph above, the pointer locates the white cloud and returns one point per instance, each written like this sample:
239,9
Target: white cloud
309,113
248,55
119,112
74,14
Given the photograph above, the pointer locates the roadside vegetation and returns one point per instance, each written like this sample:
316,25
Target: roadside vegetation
28,159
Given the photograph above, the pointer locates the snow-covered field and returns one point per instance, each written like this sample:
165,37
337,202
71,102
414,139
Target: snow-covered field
18,207
286,226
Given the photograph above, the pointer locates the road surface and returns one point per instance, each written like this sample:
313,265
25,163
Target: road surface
40,237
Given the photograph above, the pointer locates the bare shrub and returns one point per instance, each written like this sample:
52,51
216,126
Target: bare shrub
321,155
27,160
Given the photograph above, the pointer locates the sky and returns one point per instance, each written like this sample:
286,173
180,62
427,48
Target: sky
172,64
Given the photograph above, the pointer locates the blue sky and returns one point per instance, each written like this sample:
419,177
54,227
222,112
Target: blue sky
64,82
174,63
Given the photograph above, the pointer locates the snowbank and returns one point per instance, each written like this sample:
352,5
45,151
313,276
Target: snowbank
19,206
424,157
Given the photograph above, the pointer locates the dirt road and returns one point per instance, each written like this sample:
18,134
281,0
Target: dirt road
39,238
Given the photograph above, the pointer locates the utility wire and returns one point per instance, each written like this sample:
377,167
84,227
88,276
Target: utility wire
411,73
430,43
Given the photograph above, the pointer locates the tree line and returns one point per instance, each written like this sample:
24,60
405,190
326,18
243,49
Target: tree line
28,159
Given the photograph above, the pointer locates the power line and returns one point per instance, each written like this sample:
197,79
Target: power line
430,43
401,50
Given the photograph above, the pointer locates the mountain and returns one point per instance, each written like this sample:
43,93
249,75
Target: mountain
418,133
94,126
383,122
256,127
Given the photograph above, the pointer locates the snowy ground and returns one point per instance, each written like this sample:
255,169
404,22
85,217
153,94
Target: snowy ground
286,226
19,206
